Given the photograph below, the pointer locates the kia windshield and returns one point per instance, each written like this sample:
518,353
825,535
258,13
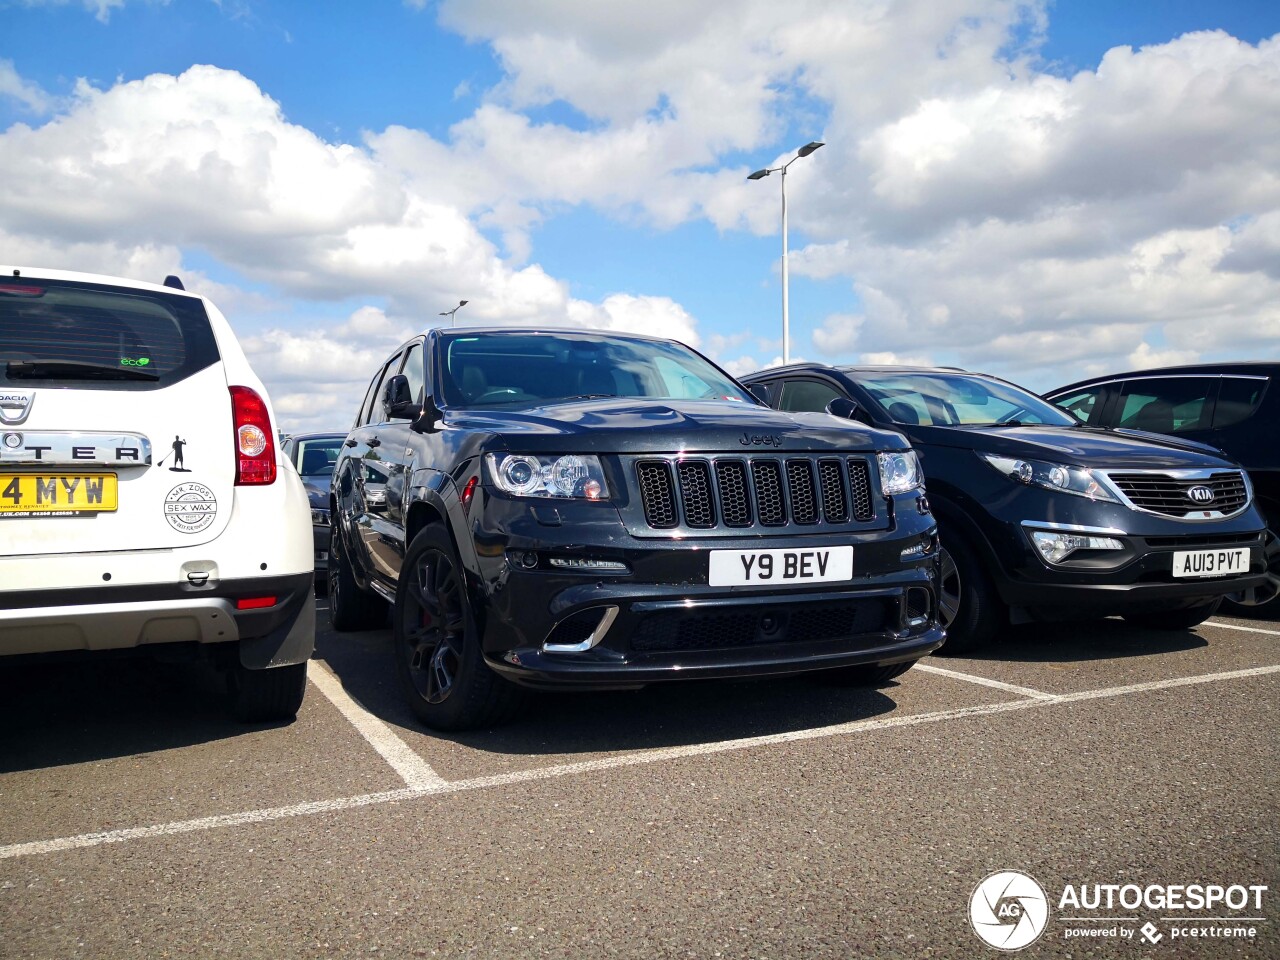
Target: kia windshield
958,400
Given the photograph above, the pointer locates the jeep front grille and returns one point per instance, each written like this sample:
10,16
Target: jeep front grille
1172,496
705,493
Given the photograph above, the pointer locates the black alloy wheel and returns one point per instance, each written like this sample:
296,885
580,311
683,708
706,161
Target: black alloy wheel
433,626
968,605
437,650
1264,599
350,608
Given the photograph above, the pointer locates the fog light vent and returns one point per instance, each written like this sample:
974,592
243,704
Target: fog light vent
919,606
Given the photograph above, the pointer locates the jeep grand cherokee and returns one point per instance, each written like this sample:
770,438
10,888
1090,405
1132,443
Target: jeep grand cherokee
577,509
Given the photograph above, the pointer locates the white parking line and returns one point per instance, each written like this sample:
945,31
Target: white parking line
416,772
1232,626
606,763
984,681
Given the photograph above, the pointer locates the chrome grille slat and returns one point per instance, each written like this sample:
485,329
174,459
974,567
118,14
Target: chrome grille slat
717,491
1168,495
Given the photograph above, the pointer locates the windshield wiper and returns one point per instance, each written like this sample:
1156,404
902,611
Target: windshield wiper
590,396
73,370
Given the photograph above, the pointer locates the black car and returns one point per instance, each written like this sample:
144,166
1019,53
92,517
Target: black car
1044,517
572,509
314,456
1232,406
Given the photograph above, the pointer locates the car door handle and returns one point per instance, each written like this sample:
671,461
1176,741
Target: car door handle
374,442
349,443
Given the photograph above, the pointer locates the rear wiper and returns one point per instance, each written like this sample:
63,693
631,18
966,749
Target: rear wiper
73,370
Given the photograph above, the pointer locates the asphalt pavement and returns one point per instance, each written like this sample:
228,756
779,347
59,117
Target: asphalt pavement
762,819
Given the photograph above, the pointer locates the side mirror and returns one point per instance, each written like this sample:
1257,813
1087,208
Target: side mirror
397,401
842,407
760,392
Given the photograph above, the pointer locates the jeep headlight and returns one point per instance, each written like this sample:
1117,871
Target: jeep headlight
1051,476
572,475
899,472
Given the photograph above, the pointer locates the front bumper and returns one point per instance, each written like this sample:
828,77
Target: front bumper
1136,578
662,620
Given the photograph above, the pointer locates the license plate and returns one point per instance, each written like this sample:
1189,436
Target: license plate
735,568
56,494
1210,563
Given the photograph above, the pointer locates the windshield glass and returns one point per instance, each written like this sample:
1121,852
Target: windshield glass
531,369
317,455
100,335
957,399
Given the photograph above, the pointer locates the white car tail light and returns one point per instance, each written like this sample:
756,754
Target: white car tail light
255,446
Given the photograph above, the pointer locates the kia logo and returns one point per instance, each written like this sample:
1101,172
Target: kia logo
1201,494
15,405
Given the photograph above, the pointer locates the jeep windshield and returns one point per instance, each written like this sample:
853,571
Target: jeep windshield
958,400
496,369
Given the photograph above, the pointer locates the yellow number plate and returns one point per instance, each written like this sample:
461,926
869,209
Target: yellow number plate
56,494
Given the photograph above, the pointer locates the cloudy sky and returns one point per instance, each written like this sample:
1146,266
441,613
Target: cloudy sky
1040,190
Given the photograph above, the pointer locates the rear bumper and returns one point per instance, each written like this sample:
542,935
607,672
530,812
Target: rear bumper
105,618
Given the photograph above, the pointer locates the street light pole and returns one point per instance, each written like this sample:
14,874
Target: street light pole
450,313
804,151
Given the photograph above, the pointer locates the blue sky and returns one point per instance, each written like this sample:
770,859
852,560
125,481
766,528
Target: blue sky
994,192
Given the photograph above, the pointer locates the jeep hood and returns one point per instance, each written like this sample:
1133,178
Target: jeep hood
636,426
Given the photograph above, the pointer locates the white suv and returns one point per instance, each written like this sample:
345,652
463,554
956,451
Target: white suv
141,499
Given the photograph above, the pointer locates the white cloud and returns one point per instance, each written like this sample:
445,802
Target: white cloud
30,96
982,211
101,9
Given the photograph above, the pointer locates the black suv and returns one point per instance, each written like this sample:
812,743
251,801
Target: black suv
1232,406
574,509
1042,516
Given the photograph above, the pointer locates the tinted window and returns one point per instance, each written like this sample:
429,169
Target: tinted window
413,371
86,333
807,395
1082,403
956,399
373,400
317,455
1238,398
1166,404
497,369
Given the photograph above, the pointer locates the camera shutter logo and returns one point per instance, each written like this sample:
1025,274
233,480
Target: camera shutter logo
1008,910
1200,494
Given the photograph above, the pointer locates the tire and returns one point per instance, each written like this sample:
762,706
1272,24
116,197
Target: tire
266,696
968,605
437,646
1183,619
350,608
871,674
1261,602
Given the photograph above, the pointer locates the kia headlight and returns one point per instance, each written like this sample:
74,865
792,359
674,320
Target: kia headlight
570,476
1051,476
899,472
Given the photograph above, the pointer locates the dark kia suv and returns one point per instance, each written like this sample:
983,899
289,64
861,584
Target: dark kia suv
1232,406
1042,516
585,510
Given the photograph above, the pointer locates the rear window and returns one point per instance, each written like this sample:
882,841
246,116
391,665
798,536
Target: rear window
93,335
1238,398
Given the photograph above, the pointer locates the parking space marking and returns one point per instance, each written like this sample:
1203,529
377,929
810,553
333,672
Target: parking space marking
606,763
416,772
1232,626
984,681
